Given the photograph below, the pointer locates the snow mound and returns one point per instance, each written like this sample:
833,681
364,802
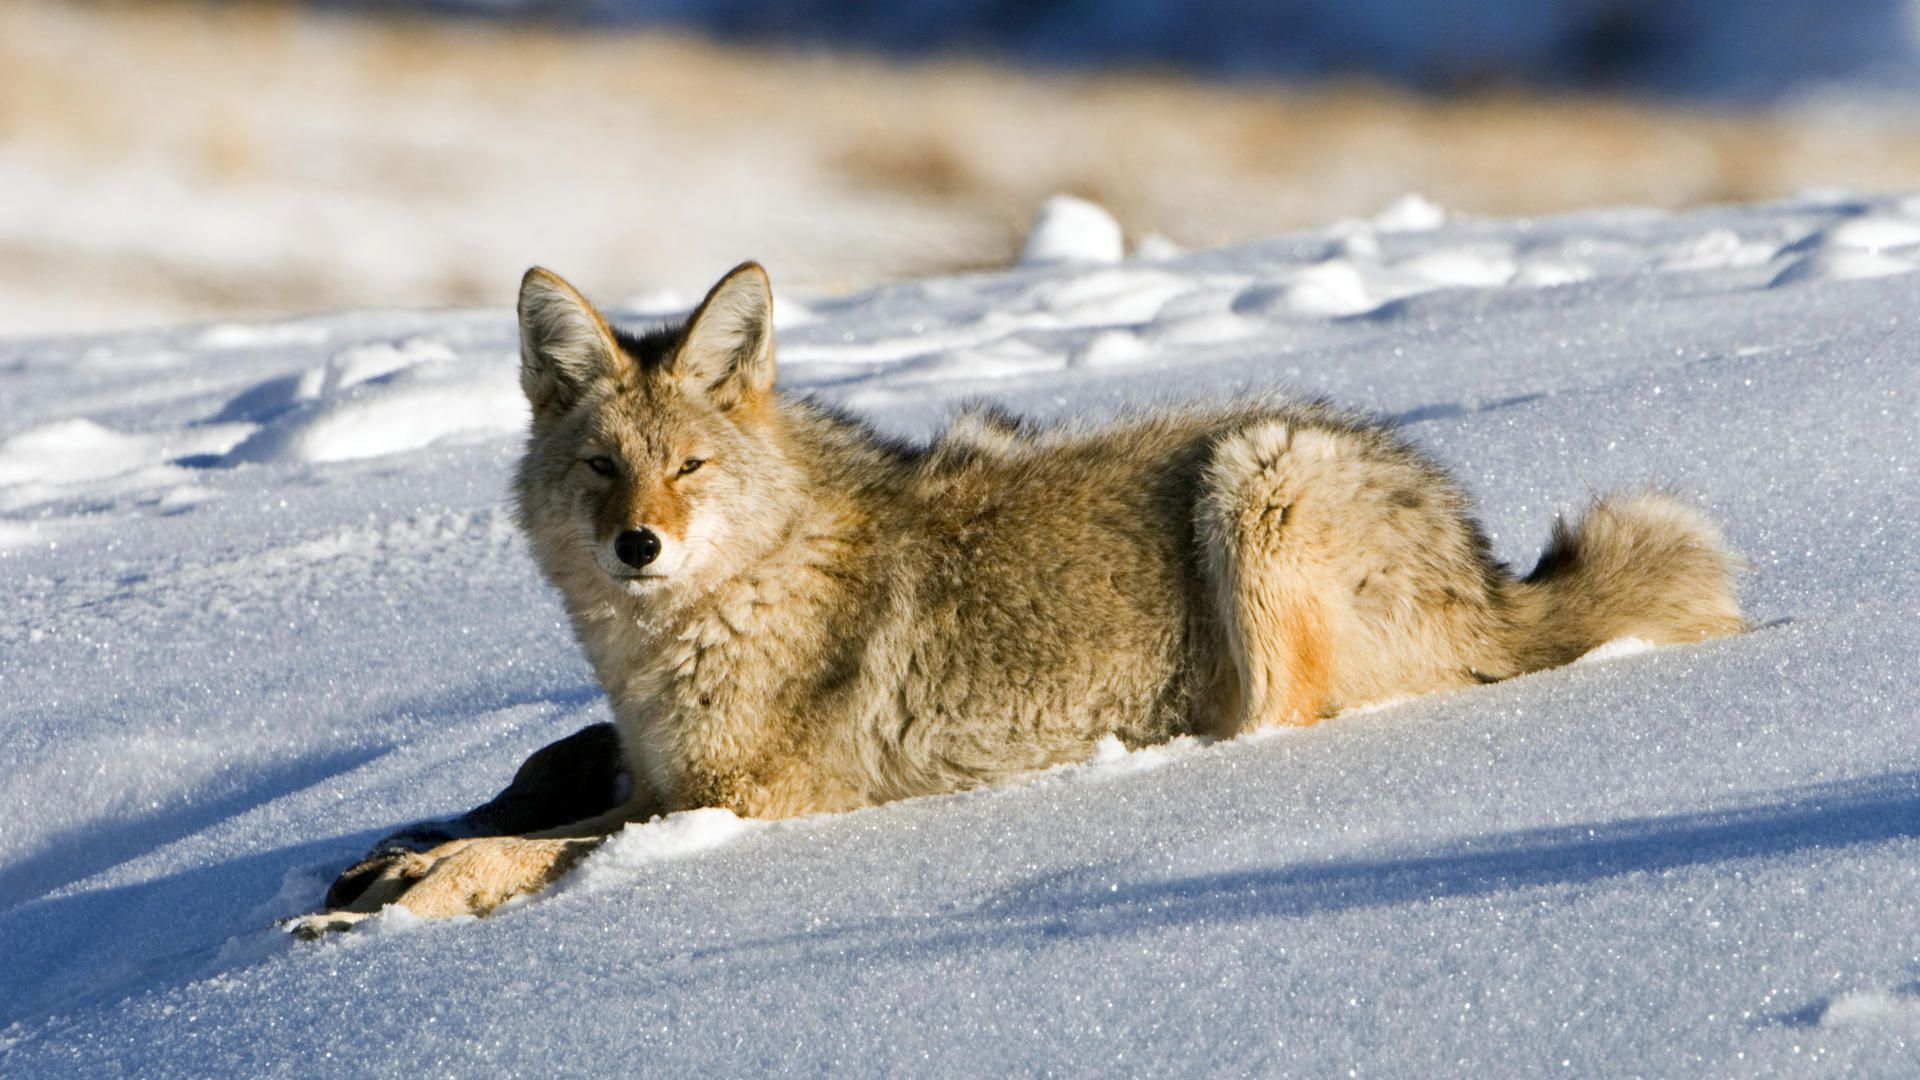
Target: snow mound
1874,233
623,859
1615,649
1070,230
1872,1009
45,461
74,450
1841,265
377,399
1335,287
1411,212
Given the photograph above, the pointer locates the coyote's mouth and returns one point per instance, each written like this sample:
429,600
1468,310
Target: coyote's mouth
625,574
641,584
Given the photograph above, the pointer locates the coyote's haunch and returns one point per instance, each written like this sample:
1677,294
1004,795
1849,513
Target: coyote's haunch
791,614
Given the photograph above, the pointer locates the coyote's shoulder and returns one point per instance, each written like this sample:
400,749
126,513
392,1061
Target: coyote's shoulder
791,614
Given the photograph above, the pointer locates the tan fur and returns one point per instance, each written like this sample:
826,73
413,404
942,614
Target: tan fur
849,621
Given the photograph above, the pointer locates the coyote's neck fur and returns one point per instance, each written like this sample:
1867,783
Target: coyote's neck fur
694,668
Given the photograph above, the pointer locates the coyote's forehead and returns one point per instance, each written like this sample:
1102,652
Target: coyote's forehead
643,406
650,421
649,353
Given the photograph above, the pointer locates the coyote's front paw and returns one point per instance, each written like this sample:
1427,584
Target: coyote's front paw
317,926
382,878
462,877
384,866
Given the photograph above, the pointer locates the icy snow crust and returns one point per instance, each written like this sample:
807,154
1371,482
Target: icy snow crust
264,603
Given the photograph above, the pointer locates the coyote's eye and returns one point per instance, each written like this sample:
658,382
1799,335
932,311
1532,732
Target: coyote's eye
602,465
691,464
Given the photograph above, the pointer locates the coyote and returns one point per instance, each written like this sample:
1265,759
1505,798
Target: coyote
793,615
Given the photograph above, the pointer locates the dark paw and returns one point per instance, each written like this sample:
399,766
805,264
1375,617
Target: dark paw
355,879
315,927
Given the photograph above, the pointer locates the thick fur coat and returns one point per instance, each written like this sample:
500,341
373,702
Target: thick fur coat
790,615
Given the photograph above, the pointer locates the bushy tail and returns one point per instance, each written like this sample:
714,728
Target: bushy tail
1643,566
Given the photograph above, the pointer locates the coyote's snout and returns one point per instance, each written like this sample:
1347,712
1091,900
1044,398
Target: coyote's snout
790,614
637,547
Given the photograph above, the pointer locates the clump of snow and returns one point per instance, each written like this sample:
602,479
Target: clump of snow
1335,287
1155,247
1111,757
1615,649
631,851
1841,265
1411,212
1463,267
1875,233
394,919
1718,249
1072,230
1544,274
1111,348
1873,1009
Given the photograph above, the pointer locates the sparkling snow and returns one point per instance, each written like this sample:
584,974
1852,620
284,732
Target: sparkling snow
265,604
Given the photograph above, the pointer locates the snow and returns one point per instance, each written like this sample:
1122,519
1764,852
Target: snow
377,399
1615,649
265,604
1411,212
1874,1008
1071,230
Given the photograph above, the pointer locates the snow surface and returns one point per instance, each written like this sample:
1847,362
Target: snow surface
265,604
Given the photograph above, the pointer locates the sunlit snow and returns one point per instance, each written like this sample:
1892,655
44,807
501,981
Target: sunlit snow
265,603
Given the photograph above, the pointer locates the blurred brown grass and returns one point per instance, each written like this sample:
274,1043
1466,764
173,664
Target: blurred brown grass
166,161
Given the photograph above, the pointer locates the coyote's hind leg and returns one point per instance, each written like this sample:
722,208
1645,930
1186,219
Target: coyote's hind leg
1344,570
1262,552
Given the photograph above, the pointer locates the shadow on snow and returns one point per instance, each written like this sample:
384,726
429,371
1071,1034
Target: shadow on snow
1101,900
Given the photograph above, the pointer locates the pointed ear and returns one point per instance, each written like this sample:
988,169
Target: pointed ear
564,343
726,352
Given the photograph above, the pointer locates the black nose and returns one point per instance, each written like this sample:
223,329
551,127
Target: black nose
637,547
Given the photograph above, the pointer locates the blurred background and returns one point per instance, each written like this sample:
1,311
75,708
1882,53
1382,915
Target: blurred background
188,161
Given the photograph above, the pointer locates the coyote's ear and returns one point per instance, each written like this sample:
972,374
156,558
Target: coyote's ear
564,343
727,350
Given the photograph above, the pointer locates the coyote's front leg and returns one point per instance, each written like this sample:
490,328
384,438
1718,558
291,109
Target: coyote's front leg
565,799
460,877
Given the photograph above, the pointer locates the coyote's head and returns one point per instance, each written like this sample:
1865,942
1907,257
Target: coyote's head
650,455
